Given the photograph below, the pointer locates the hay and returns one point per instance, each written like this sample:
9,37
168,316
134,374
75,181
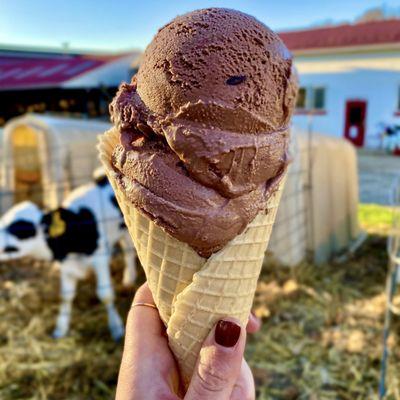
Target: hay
32,364
321,337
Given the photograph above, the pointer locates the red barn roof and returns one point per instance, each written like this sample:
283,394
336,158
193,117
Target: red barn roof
360,34
29,70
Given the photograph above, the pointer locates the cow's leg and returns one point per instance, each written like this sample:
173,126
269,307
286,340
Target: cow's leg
68,291
105,293
130,271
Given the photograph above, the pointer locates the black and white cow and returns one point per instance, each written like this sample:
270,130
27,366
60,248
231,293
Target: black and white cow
77,236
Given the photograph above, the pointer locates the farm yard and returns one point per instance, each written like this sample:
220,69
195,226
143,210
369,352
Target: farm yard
183,145
321,335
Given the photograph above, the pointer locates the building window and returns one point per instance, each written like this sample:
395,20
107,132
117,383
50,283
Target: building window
301,98
311,98
398,99
318,99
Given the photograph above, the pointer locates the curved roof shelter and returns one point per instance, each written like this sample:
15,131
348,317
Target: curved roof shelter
44,157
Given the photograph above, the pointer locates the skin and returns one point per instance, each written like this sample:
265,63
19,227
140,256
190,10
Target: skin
148,369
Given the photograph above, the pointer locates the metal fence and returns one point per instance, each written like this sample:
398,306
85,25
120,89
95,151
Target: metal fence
393,277
292,233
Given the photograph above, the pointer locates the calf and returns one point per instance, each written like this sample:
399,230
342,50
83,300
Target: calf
77,236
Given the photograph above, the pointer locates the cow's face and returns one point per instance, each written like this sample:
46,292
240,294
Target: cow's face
19,231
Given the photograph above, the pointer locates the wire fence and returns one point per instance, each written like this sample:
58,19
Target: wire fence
290,238
292,233
393,249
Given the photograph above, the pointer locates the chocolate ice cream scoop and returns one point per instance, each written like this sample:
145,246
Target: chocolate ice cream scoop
204,126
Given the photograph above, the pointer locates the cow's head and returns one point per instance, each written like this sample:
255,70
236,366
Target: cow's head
20,232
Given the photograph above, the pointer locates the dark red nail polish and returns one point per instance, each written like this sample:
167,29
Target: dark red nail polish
227,333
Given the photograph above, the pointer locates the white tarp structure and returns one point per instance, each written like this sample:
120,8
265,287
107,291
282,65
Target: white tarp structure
44,157
318,210
334,197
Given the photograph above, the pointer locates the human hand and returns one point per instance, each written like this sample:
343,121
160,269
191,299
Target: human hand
149,371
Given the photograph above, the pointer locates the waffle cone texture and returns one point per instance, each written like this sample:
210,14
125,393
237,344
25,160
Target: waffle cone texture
193,293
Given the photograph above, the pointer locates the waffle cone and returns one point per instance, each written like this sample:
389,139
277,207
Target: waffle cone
191,292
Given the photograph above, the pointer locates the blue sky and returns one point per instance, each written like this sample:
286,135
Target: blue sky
115,25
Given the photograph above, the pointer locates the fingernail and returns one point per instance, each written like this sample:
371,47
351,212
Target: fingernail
227,333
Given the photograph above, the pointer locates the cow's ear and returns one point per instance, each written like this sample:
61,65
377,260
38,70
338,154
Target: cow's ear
55,223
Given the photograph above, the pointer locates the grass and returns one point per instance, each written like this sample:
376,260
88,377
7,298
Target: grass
321,335
375,219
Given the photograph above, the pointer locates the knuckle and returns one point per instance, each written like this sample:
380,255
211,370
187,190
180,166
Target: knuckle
211,379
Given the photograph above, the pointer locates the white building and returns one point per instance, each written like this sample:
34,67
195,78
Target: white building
349,79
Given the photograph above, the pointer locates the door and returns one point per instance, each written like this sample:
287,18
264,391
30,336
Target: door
354,129
27,168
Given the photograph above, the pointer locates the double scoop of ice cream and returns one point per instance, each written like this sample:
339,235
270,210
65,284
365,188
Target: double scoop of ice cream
204,126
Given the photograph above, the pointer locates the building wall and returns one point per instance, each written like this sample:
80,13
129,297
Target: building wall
374,78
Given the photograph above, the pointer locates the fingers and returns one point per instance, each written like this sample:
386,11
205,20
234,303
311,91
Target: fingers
254,324
146,361
142,318
219,363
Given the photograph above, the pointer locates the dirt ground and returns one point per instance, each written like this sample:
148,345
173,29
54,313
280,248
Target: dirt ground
321,335
377,172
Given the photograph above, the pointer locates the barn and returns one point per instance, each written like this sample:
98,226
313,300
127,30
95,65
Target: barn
350,79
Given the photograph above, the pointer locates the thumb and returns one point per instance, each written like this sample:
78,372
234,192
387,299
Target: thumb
219,362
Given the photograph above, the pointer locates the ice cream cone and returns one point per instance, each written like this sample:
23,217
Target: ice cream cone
191,292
